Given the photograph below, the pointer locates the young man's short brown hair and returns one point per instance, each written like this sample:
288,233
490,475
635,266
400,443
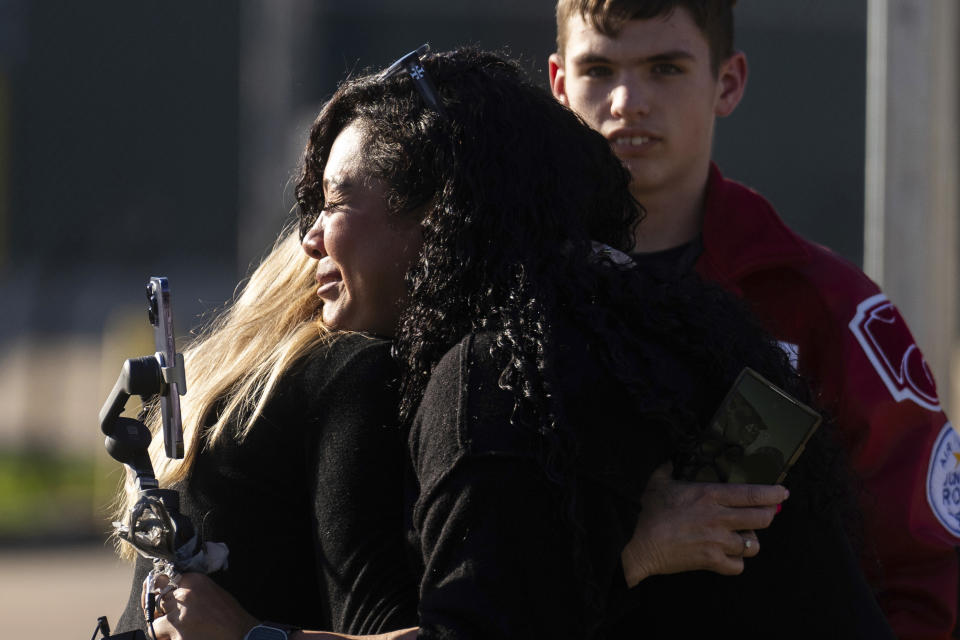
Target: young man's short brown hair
713,17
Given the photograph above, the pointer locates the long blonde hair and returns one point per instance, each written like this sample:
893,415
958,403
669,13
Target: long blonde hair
234,364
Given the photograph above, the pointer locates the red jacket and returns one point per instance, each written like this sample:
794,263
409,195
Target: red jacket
857,351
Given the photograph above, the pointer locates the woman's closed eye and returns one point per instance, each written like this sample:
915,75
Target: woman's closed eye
334,205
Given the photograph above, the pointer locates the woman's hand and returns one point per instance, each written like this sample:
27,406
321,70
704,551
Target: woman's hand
198,609
689,526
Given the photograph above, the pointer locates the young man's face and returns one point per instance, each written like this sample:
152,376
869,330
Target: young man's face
651,92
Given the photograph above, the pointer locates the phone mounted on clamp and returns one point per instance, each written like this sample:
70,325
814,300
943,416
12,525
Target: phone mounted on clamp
153,525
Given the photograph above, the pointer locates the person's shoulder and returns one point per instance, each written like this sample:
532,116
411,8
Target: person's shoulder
835,273
356,347
352,355
467,401
839,284
473,363
446,377
469,372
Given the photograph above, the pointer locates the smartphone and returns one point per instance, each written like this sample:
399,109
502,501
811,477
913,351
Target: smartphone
756,435
161,317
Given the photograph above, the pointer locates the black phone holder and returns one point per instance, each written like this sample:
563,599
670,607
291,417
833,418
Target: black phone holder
128,440
154,525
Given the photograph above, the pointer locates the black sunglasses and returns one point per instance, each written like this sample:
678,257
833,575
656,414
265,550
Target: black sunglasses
410,64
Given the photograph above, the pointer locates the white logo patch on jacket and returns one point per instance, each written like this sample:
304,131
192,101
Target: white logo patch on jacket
943,479
886,340
792,351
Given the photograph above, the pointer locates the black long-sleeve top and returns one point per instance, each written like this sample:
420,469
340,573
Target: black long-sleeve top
310,503
489,525
498,554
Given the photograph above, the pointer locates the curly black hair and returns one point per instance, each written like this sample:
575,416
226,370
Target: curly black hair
512,189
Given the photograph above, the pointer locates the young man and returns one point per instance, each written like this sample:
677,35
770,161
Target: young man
652,76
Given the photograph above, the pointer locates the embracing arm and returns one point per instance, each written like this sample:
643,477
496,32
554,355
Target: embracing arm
505,551
473,590
358,495
499,556
356,513
200,610
690,526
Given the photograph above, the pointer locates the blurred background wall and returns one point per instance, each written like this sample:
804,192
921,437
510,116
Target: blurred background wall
156,138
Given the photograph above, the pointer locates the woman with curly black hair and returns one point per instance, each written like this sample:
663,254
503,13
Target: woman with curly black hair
544,377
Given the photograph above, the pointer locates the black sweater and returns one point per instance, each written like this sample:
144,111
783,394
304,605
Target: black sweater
505,551
500,559
310,502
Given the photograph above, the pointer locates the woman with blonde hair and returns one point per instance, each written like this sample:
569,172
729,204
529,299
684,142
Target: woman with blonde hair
291,459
